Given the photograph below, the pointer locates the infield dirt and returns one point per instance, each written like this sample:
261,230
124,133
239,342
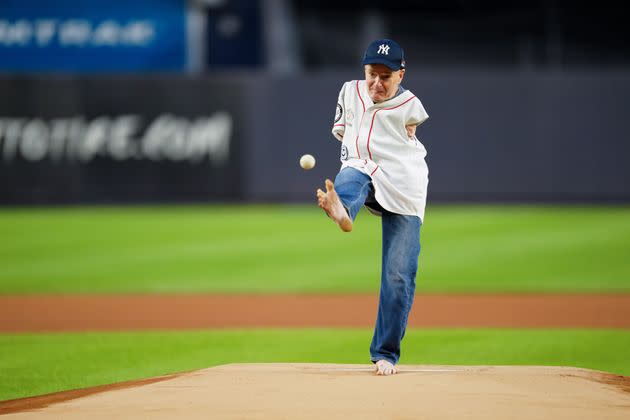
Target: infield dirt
274,391
41,313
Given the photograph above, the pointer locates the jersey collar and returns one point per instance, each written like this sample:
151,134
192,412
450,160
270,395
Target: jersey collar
395,101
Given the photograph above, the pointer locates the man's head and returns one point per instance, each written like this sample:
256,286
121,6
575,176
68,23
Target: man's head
384,64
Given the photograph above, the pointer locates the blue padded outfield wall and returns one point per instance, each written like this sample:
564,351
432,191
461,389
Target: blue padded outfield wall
92,36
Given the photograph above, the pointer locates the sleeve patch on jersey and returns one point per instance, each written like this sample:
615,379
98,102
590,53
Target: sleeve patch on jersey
344,152
338,113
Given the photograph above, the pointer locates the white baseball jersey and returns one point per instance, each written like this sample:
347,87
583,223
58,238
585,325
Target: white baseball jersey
374,141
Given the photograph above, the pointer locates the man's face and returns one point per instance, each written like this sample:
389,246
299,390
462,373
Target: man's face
382,82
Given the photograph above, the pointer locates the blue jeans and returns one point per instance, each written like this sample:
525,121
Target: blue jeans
401,249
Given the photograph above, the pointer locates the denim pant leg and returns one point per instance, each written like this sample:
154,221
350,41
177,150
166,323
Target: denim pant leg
353,187
401,249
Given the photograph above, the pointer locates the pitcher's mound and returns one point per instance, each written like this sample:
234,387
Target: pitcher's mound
321,391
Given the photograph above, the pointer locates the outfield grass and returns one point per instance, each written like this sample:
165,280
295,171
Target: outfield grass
267,249
37,364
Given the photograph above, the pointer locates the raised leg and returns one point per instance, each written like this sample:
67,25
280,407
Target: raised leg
343,200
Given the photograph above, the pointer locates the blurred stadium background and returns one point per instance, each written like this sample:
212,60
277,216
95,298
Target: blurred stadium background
117,115
169,101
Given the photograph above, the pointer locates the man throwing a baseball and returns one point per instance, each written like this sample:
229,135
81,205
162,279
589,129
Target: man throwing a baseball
383,168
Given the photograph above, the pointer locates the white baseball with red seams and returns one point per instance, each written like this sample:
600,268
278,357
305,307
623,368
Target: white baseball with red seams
307,161
375,142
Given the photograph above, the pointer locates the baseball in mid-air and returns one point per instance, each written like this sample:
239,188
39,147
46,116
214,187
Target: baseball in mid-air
307,162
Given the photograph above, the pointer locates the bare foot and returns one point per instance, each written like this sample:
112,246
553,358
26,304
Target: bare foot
385,368
329,201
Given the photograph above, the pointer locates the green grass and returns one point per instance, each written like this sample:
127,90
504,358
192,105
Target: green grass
267,249
33,364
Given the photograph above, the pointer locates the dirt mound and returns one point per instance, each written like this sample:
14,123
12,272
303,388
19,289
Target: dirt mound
316,391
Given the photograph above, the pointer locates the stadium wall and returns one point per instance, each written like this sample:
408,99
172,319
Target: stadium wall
492,136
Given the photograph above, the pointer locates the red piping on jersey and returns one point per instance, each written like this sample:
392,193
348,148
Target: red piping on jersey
359,93
375,169
372,125
356,142
339,125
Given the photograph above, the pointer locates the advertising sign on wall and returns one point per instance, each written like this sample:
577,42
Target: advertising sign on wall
131,139
92,36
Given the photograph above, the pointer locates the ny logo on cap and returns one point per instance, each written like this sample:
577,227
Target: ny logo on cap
383,49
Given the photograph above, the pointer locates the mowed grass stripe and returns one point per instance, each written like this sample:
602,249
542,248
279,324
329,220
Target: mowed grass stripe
34,364
271,249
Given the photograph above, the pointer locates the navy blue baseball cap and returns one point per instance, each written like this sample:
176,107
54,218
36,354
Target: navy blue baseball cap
387,52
